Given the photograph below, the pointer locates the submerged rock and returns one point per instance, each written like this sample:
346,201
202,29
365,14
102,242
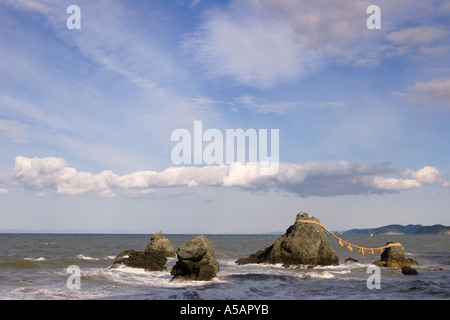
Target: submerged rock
409,271
160,244
196,260
303,243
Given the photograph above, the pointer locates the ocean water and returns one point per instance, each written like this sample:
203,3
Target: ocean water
35,267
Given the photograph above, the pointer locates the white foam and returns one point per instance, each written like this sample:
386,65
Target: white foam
82,257
35,259
316,275
141,277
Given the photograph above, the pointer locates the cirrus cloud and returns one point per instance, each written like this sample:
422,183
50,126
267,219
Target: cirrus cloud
265,43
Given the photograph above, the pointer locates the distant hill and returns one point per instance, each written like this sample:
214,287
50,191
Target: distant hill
397,229
435,229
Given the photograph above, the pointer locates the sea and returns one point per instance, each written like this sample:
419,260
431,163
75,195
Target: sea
80,267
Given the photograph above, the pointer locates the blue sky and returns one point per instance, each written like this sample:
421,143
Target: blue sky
86,115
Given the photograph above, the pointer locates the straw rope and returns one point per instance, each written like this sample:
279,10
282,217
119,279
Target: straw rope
348,244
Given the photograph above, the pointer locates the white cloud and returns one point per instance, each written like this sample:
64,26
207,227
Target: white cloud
436,92
327,178
3,190
427,175
415,36
250,51
439,51
381,183
267,43
264,43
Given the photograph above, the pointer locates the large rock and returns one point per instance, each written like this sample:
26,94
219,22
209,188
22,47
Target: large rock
148,260
196,260
161,244
303,243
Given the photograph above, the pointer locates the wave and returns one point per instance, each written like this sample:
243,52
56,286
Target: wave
35,259
82,257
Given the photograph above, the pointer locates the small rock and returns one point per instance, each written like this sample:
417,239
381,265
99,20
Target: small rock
351,260
409,271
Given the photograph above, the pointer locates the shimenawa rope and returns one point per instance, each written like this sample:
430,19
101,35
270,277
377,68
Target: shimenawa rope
348,244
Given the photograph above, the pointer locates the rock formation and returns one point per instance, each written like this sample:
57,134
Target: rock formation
160,244
196,260
153,258
394,257
303,243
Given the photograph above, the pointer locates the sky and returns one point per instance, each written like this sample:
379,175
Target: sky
355,104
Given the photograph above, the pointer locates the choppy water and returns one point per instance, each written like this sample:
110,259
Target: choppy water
34,266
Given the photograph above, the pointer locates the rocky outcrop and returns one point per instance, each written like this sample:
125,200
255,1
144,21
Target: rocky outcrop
153,258
160,244
149,260
303,243
196,260
394,257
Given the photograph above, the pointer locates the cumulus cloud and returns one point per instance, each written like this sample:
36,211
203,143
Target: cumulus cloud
314,178
427,175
